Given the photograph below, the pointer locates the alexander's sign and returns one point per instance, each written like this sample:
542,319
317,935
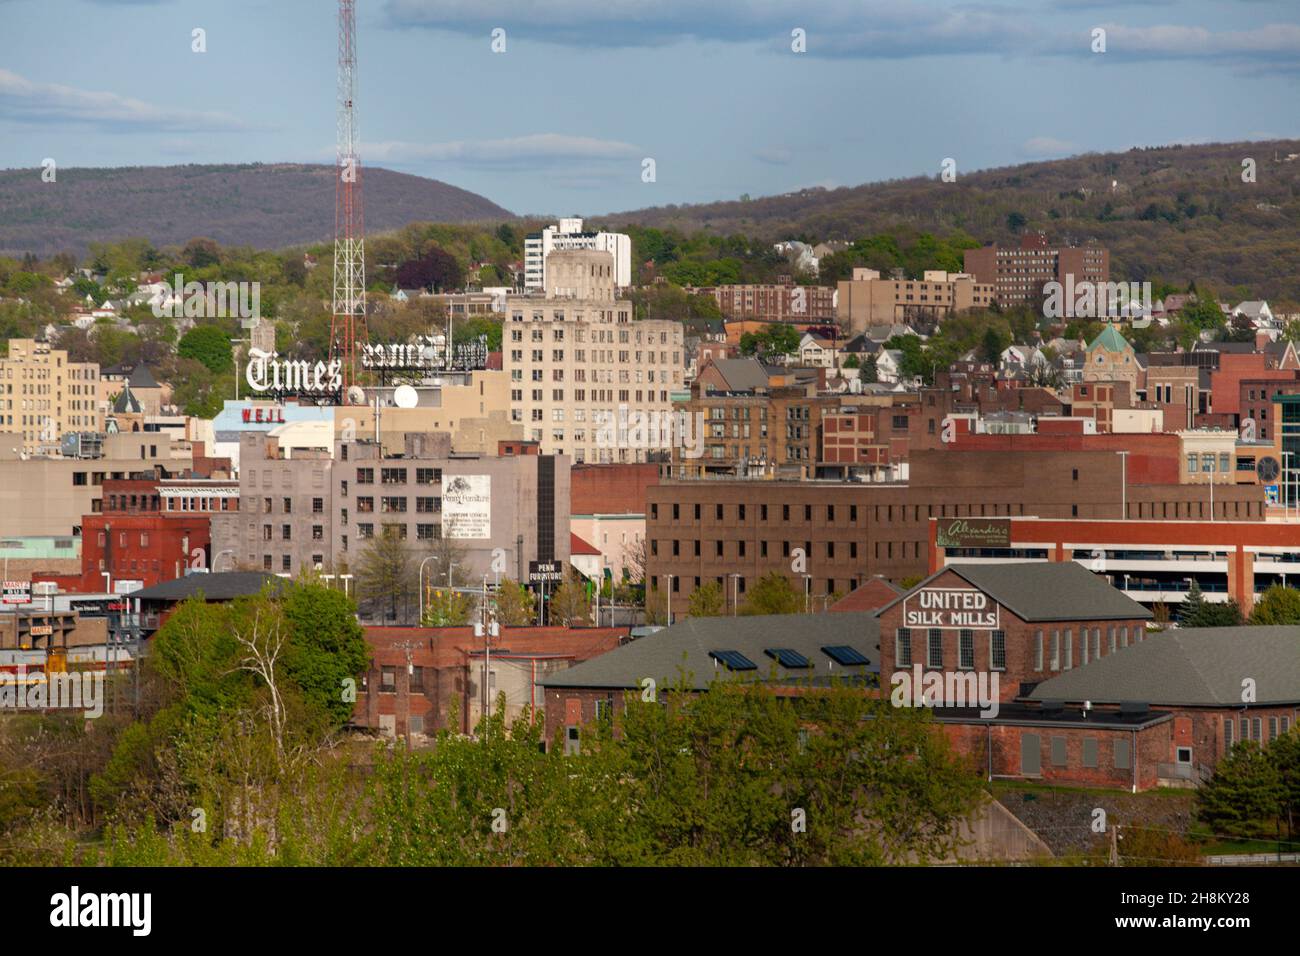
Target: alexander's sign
973,533
951,609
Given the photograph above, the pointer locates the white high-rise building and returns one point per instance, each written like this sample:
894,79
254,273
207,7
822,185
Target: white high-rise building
569,235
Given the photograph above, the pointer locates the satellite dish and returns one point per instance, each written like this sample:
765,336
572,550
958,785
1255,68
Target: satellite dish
404,396
356,395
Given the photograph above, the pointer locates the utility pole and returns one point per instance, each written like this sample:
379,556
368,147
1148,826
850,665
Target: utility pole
408,646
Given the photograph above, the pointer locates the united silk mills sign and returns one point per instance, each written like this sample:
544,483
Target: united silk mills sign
951,609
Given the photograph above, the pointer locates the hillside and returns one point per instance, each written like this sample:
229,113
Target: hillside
1177,213
265,206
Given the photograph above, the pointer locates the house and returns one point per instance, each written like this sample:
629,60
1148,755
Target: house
1256,312
818,352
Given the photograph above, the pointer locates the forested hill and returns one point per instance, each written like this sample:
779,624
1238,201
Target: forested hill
1178,213
264,206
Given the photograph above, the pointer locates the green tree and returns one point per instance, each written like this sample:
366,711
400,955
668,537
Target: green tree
1277,605
448,608
773,594
1244,795
1284,754
384,571
514,605
568,606
208,344
707,601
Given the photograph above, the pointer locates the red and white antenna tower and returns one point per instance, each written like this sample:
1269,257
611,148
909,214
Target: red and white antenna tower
348,327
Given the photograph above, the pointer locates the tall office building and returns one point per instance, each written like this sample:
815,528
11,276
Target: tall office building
43,395
1019,274
569,235
580,367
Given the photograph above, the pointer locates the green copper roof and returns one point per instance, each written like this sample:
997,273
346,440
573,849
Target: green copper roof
1110,340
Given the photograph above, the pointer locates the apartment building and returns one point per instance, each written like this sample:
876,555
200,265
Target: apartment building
781,301
284,521
867,300
580,367
568,235
1019,274
43,395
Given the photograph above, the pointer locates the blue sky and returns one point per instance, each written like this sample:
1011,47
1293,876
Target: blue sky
586,89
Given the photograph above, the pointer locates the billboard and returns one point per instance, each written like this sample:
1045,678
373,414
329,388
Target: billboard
467,506
973,533
951,609
17,592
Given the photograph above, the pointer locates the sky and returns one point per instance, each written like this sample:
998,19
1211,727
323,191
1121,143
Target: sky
582,92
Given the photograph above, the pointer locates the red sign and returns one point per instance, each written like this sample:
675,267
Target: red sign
270,416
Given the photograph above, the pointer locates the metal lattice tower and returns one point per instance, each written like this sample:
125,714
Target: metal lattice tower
348,328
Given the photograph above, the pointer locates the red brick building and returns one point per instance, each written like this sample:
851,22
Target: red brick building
151,530
1019,274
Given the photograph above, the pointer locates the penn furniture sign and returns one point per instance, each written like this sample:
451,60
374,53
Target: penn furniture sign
951,609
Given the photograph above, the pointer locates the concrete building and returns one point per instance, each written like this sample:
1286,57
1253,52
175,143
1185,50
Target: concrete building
580,368
867,300
514,505
43,395
1018,275
284,524
781,301
569,235
48,496
607,508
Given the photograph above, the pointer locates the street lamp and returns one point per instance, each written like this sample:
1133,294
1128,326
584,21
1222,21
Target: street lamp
735,593
432,557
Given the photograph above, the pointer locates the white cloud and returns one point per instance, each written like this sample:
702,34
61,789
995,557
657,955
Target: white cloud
1042,146
29,101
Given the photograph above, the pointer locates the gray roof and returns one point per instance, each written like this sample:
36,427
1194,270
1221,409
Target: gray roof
141,377
215,587
742,374
686,645
1046,591
127,402
1193,666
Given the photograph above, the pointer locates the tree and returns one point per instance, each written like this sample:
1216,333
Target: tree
773,594
1015,222
1284,753
992,346
1190,609
384,571
1278,605
514,605
707,601
448,608
871,371
1195,611
208,344
1244,793
568,605
437,270
851,361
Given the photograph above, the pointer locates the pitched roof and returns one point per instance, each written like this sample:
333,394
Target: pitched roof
141,377
1110,340
215,587
741,374
684,648
1046,591
126,402
580,546
1197,666
875,593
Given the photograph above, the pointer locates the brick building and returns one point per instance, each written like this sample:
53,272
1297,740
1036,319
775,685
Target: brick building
1019,274
782,301
1024,622
419,678
701,531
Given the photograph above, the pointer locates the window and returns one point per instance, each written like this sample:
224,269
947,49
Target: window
998,650
318,506
286,563
934,657
966,648
1056,650
388,680
365,476
1122,755
1069,647
1038,650
393,476
1059,751
416,682
287,505
1090,751
903,647
1227,735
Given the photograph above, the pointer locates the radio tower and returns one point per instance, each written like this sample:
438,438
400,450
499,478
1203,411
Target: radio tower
348,327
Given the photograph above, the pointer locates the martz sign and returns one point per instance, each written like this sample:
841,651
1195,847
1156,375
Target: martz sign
951,609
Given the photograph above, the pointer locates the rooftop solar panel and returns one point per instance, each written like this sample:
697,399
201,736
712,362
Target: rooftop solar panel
845,655
734,660
787,657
